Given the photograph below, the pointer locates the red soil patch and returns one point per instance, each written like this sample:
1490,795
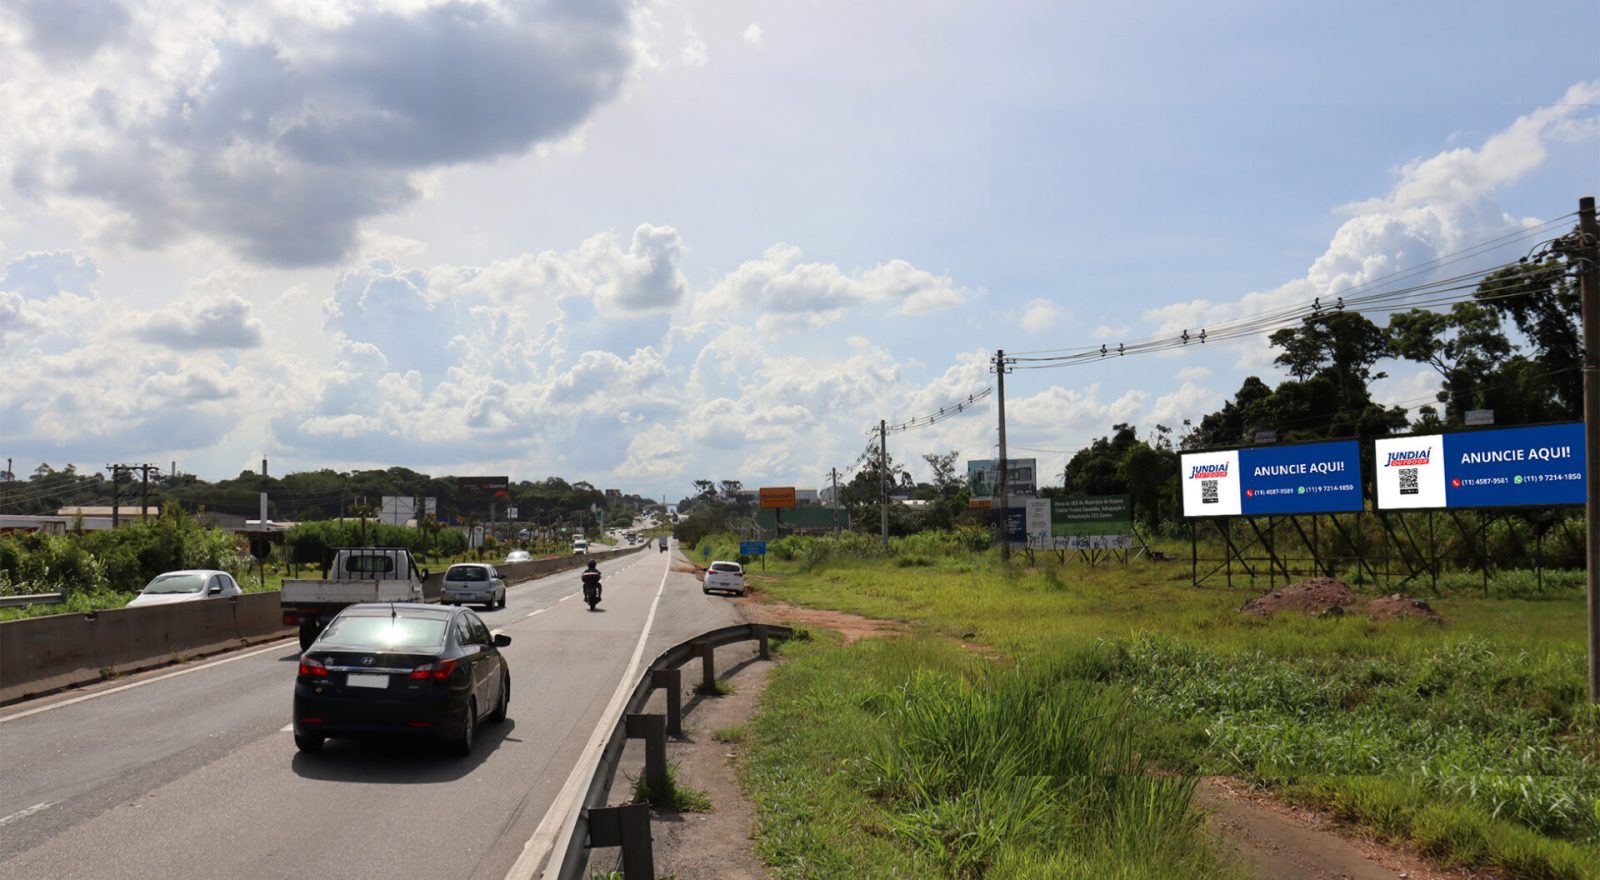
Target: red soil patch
758,608
1326,597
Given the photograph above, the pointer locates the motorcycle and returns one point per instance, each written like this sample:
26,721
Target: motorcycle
591,588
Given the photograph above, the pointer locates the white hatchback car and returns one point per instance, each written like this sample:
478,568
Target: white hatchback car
475,582
187,586
725,577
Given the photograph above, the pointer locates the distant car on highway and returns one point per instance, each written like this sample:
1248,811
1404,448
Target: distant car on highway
580,547
724,577
187,586
401,669
519,556
475,583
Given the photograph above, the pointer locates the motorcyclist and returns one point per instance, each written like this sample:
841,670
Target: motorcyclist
591,576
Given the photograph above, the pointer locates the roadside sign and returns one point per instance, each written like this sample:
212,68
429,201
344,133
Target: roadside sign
752,548
777,496
705,552
511,513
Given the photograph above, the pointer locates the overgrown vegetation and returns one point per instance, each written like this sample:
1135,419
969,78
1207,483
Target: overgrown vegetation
953,769
88,565
1473,740
675,796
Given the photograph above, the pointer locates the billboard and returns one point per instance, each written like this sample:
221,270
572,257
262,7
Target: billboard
1273,480
777,497
983,478
397,510
1094,522
491,486
1508,467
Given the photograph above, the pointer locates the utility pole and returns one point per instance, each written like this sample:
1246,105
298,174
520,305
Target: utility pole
835,473
1005,467
116,487
144,491
1588,254
883,473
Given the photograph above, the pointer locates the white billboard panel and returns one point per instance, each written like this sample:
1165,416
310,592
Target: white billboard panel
1211,483
397,510
1410,472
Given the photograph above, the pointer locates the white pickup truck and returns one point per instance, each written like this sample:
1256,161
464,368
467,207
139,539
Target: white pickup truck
357,574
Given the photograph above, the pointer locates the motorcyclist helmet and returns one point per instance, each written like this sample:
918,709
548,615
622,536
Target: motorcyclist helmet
592,565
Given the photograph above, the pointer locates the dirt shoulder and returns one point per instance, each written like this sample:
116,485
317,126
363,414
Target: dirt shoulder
1271,838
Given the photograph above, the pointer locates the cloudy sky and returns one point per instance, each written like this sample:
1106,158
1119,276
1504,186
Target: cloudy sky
641,243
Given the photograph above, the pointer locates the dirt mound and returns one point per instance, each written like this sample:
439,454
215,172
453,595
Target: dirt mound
1321,596
1397,606
1326,597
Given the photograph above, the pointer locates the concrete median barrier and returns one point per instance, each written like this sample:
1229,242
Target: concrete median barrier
43,654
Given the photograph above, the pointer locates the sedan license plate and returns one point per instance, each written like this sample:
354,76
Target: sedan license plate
358,680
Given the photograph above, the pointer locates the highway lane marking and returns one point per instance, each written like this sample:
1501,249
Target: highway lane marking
563,812
275,646
23,814
540,611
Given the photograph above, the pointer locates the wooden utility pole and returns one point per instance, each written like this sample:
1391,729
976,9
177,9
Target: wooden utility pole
883,473
835,473
144,490
116,489
1005,467
1587,257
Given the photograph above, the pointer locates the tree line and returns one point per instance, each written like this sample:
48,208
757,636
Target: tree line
321,495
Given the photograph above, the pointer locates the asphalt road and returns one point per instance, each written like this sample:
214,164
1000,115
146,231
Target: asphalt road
191,772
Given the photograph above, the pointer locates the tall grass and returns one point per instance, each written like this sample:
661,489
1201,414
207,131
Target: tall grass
961,769
1474,739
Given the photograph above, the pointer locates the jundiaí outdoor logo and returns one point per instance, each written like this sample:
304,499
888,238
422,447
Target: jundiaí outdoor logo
1209,471
1411,458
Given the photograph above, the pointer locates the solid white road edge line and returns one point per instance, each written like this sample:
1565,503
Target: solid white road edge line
275,646
562,816
23,814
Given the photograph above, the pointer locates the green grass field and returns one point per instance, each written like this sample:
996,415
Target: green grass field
1473,740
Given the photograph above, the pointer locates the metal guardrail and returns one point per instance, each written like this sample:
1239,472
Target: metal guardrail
574,856
33,599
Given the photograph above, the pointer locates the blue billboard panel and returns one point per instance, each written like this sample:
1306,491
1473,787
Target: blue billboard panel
1314,478
1273,480
1509,467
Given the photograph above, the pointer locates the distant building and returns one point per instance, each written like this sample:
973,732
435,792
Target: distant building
806,496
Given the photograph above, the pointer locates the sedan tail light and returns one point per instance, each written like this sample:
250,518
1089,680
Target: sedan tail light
312,668
437,671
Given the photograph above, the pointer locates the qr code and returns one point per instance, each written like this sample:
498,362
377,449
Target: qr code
1208,492
1408,482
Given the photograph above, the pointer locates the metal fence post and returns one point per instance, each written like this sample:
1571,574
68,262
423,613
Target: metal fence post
672,681
653,730
759,630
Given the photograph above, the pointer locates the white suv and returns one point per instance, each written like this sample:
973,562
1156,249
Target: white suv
725,576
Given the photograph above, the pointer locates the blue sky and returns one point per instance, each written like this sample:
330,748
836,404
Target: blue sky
646,243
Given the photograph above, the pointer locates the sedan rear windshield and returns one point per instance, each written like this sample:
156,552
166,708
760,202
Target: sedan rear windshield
468,573
726,566
176,583
384,632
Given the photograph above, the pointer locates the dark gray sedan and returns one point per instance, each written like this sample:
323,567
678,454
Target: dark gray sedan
401,669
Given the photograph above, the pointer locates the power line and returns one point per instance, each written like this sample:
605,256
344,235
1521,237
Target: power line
945,412
1352,295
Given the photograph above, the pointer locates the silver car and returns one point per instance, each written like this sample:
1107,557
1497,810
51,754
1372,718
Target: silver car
476,583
